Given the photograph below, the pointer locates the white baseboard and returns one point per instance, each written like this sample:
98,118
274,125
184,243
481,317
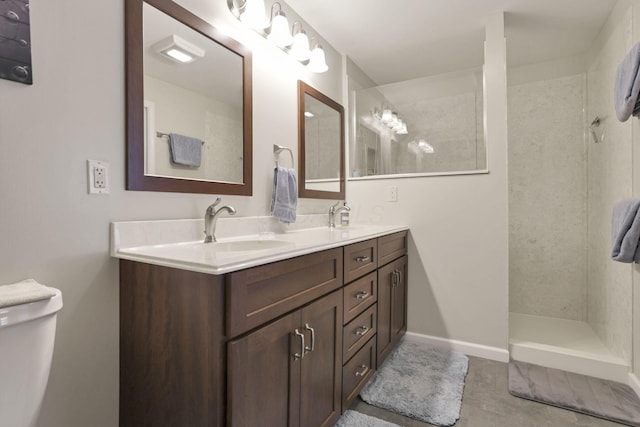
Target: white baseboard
634,383
471,349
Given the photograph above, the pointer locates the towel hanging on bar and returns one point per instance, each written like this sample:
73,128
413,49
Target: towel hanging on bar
627,86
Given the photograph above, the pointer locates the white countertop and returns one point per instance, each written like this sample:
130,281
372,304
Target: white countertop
178,244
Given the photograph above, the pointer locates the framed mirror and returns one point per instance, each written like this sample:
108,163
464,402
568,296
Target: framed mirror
320,145
189,103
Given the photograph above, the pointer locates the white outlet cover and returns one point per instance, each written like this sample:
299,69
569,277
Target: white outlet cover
91,166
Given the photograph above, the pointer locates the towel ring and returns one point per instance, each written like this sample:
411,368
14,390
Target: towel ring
277,149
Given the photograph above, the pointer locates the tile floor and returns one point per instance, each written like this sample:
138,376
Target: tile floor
486,402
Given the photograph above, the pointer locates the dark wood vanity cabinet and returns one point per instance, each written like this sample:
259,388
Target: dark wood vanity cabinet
392,306
213,350
289,372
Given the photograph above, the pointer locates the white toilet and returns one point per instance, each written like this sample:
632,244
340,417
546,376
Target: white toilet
27,334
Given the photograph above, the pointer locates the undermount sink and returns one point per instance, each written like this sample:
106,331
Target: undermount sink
247,245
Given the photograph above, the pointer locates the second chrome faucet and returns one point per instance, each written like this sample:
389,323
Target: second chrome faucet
211,218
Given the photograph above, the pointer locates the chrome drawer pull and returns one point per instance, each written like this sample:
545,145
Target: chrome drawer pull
362,330
362,295
364,371
362,259
313,337
300,355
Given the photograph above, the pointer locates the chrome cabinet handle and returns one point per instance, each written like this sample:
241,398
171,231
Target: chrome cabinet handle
363,372
394,278
362,259
362,330
300,355
399,277
313,338
362,295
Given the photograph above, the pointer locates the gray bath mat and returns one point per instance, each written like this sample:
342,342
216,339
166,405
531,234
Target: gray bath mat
356,419
588,395
421,382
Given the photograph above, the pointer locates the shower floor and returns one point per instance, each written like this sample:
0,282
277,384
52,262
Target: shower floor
569,345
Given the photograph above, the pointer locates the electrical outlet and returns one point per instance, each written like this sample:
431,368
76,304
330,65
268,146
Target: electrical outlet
393,193
98,177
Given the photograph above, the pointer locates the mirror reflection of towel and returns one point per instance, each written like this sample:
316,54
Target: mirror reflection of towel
185,150
285,194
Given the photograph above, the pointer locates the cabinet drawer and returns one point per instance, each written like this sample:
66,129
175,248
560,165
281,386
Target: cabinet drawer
360,259
357,372
359,295
391,247
358,332
260,294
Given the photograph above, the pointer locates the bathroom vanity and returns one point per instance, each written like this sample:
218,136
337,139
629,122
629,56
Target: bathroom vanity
273,334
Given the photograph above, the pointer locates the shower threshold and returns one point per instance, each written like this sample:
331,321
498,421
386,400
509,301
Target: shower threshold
569,345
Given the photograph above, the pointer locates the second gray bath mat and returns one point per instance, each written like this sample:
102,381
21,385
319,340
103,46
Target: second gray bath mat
588,395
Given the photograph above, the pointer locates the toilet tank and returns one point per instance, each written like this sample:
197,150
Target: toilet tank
27,335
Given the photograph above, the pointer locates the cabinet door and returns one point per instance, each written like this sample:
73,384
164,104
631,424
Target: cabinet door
320,396
392,306
264,376
399,301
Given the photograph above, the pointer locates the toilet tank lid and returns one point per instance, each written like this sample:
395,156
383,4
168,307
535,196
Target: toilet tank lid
27,300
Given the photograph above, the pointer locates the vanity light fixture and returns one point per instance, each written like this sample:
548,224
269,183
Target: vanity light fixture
300,48
178,49
317,62
254,15
276,30
279,33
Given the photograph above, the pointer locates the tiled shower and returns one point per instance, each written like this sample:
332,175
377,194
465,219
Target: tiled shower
570,304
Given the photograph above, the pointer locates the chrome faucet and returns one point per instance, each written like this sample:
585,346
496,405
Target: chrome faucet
333,210
211,218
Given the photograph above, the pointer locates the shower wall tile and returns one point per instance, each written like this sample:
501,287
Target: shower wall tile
547,198
609,285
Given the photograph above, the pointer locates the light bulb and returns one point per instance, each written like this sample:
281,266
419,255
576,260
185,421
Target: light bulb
254,15
300,49
279,34
386,116
317,63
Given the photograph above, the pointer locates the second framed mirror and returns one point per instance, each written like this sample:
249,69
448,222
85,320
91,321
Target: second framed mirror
320,145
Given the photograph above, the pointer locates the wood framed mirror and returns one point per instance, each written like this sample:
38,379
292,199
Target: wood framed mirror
189,124
320,145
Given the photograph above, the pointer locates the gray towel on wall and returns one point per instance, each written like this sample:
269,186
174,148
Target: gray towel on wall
285,194
627,86
185,150
625,227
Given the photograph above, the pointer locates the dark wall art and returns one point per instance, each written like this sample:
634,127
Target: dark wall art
15,41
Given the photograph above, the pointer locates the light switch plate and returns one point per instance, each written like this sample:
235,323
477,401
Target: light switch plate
98,177
393,194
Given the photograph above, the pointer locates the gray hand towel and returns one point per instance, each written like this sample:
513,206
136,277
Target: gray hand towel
185,150
625,227
285,194
627,86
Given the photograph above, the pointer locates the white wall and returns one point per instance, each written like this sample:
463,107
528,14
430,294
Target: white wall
458,258
53,231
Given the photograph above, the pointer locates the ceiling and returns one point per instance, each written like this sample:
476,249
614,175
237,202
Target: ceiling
394,41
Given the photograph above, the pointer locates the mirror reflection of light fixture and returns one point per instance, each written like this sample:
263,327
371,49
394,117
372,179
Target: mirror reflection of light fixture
300,48
254,15
392,121
317,63
309,114
424,146
178,49
279,33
